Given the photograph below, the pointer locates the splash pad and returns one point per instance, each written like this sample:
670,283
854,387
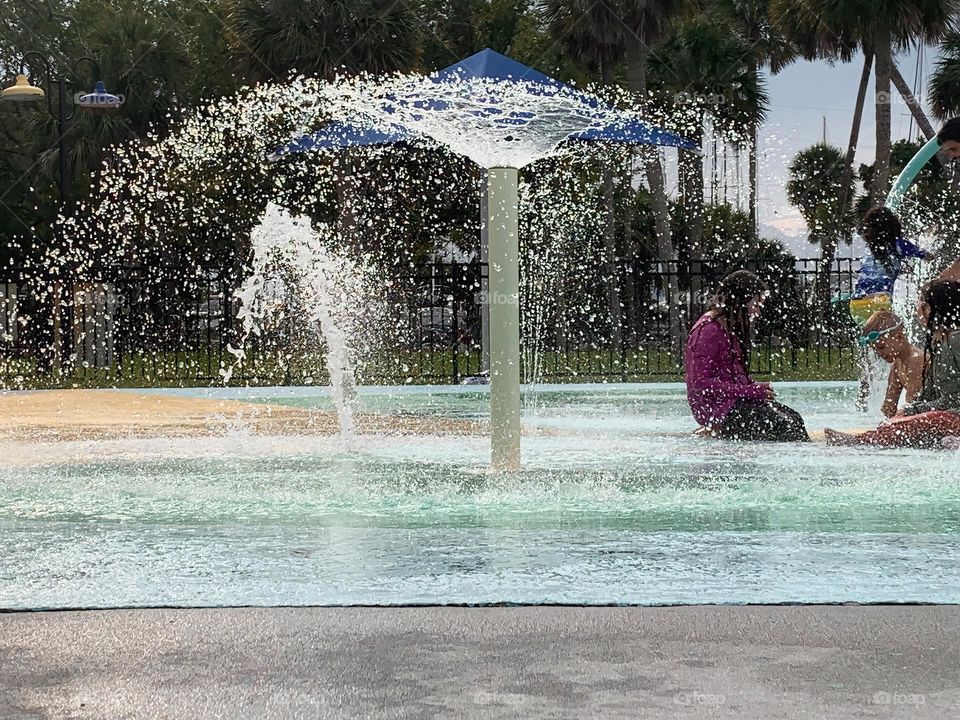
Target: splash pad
616,501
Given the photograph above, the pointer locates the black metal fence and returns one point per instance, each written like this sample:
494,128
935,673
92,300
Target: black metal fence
803,331
178,326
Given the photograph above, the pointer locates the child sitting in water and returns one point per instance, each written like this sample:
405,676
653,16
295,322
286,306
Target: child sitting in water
935,415
885,334
723,397
883,234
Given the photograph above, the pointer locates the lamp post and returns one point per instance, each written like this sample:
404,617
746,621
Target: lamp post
23,91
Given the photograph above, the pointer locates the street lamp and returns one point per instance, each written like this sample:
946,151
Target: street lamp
99,99
24,91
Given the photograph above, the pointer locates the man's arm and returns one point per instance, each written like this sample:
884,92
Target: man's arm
951,273
891,401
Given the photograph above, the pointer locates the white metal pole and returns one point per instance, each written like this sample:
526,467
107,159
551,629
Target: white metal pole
484,283
503,300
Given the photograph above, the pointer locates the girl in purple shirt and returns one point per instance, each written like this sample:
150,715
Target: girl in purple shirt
723,397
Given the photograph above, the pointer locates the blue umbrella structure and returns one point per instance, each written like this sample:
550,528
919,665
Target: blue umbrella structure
487,65
341,134
490,65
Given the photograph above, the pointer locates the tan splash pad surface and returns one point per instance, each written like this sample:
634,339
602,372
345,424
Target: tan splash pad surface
50,415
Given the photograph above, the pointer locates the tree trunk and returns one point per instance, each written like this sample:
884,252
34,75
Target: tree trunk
881,167
911,102
754,177
610,248
691,182
656,182
650,156
628,290
846,181
831,238
610,262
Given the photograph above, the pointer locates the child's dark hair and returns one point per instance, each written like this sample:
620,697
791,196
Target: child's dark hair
880,229
942,297
949,131
730,302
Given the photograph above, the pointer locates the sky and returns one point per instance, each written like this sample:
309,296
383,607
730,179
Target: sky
800,97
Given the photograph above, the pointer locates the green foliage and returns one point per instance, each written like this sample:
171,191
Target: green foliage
768,42
838,28
727,238
162,56
593,33
705,66
814,188
944,85
725,232
454,29
169,57
322,37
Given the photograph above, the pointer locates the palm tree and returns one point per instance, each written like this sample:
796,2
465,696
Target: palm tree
601,37
816,41
272,38
648,21
144,63
593,33
944,88
816,176
595,36
704,68
881,27
769,47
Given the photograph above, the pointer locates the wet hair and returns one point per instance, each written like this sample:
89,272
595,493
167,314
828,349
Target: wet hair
880,321
949,131
943,299
880,229
730,302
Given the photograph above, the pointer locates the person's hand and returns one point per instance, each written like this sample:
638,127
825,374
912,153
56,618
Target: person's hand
768,392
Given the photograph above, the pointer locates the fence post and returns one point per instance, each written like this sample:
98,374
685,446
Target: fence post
56,349
455,330
484,277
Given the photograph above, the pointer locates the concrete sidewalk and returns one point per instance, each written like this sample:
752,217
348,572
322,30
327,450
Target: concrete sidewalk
685,662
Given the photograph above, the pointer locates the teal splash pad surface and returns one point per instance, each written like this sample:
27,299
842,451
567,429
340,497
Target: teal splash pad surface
617,503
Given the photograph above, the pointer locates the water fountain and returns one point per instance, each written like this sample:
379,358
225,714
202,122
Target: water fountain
324,283
503,116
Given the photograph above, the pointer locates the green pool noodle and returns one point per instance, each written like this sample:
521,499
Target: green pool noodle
908,175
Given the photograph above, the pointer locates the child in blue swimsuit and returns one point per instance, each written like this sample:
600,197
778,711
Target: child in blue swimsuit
883,233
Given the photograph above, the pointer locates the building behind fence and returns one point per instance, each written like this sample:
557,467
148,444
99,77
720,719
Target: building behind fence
142,326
